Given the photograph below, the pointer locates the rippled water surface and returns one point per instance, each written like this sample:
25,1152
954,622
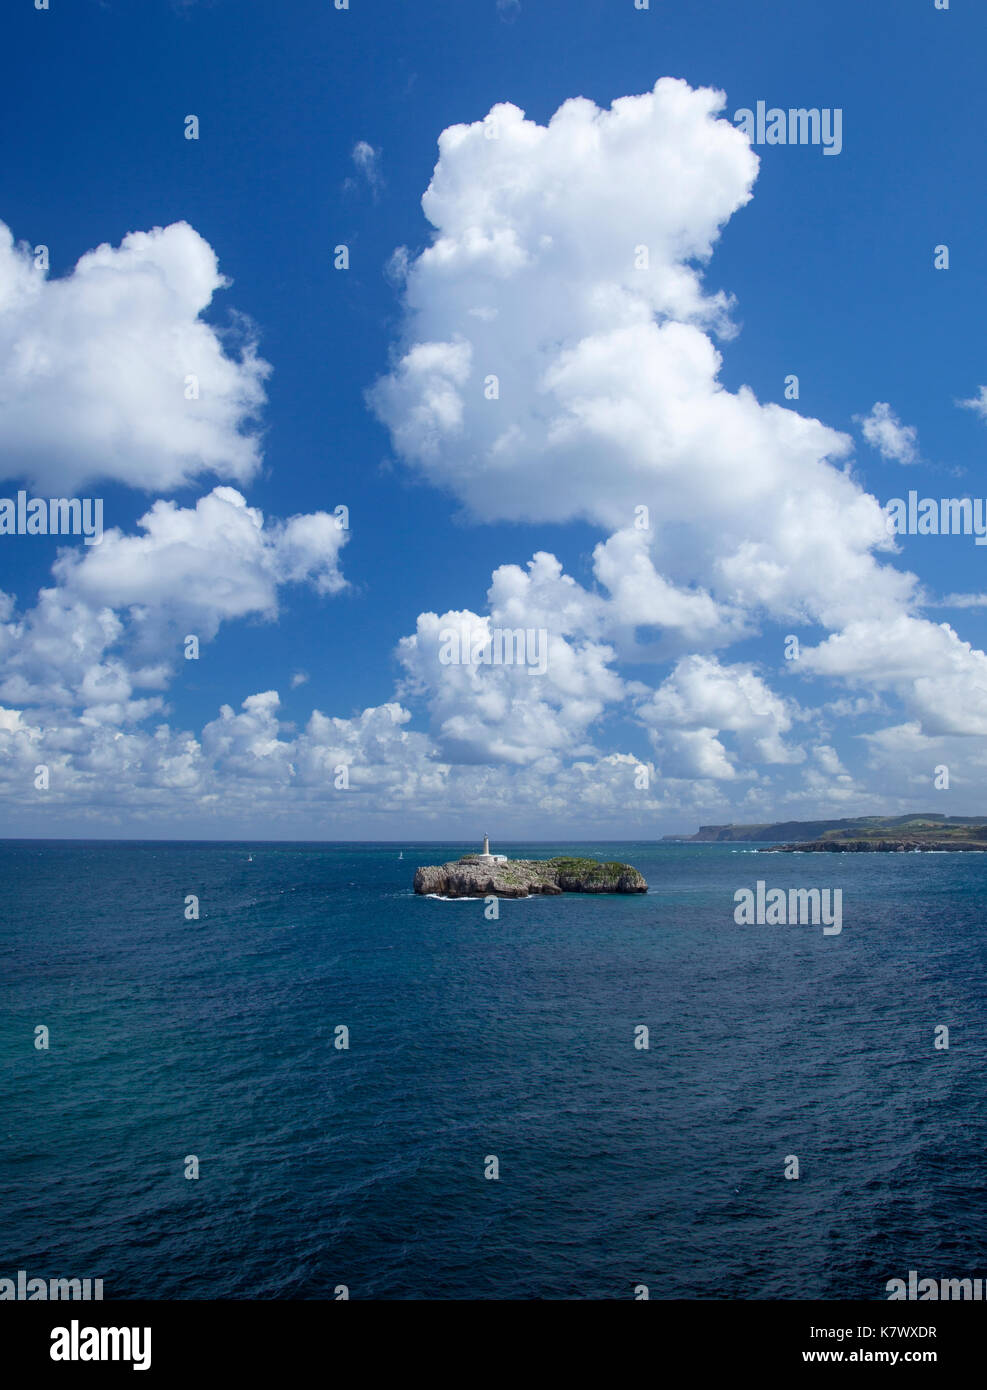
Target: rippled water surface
468,1038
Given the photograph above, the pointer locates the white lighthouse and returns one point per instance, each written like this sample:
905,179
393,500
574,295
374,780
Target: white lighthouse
487,858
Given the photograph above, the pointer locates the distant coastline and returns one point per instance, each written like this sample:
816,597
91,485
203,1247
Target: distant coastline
837,846
863,835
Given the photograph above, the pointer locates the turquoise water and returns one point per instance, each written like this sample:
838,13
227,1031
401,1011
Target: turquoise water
364,1167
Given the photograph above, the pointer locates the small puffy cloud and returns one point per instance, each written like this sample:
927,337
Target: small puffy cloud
829,760
906,760
641,598
367,161
205,564
305,550
111,373
940,679
703,699
884,432
533,708
977,403
961,601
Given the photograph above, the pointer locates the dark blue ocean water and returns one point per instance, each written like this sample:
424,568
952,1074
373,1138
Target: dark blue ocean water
468,1038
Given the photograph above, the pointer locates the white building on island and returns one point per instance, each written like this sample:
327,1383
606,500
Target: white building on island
487,858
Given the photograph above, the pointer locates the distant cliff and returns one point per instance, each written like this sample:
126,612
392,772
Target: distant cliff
519,878
875,846
921,829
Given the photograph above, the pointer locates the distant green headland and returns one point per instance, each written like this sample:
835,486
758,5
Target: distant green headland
860,835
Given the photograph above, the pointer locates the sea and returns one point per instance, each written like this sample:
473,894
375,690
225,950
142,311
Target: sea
324,1086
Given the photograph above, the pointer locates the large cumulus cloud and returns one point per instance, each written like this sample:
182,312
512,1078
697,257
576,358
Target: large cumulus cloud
97,368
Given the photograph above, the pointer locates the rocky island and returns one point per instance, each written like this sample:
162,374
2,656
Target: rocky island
494,875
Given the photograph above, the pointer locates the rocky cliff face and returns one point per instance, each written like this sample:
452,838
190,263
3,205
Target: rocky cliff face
899,829
519,878
875,846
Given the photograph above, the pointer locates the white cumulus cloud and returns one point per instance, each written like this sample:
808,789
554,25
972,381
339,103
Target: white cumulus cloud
884,432
111,372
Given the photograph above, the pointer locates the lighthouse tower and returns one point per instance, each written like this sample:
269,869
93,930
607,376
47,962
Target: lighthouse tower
487,858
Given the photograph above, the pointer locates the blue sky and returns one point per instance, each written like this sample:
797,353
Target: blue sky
829,263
